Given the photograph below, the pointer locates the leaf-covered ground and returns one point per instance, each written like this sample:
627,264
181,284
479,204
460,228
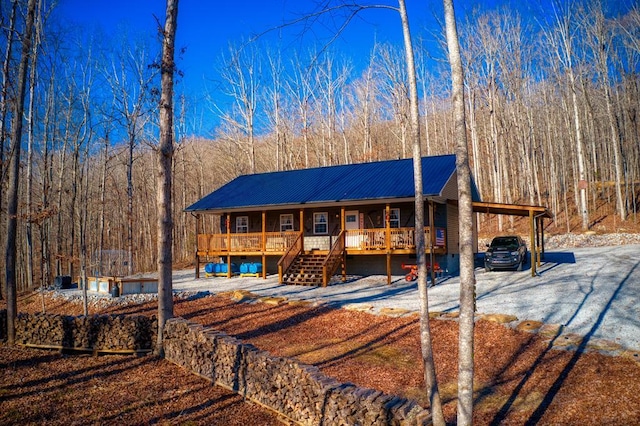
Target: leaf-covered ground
521,378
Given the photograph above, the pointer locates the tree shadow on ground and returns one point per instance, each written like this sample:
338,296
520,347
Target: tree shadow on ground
552,392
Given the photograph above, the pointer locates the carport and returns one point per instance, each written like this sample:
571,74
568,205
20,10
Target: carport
536,224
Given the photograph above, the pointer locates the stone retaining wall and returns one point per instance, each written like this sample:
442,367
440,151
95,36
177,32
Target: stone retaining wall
299,392
107,333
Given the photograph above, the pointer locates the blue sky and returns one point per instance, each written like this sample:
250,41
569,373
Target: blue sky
206,27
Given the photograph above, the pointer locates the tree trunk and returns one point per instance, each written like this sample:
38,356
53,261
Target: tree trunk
3,110
465,221
30,136
165,157
14,170
425,331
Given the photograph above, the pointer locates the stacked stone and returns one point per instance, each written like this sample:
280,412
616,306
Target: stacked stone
300,392
97,332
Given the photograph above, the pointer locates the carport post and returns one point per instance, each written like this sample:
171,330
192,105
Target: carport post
197,216
532,236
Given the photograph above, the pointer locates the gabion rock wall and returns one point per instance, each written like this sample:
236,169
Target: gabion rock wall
300,392
96,332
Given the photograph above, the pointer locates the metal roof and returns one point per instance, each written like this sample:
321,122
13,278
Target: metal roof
382,180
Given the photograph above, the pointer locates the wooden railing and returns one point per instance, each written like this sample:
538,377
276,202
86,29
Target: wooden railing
399,238
280,241
246,242
333,259
290,255
355,239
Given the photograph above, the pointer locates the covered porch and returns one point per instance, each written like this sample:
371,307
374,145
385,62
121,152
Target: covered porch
334,236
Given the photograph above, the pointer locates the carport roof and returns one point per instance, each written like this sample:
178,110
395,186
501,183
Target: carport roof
511,209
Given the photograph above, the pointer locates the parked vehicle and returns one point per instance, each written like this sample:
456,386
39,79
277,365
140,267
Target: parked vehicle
505,253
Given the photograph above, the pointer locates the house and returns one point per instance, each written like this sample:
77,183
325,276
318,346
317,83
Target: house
306,224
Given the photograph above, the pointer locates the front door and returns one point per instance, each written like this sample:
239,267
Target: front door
352,225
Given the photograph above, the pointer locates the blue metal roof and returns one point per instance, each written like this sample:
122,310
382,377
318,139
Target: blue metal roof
351,182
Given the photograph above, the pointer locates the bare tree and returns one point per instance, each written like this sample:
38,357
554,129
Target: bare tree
599,37
165,159
3,109
130,77
562,39
465,219
425,331
241,77
14,174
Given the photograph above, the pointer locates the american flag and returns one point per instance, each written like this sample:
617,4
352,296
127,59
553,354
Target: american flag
440,237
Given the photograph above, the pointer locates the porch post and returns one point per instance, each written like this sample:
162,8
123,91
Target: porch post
264,244
542,234
387,239
197,217
432,231
538,226
344,249
228,245
532,236
302,229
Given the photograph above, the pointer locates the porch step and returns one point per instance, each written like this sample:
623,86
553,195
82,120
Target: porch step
305,270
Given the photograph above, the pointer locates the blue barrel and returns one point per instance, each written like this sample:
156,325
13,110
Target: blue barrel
244,268
209,268
255,268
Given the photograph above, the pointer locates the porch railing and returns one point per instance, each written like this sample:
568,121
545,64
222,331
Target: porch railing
246,242
280,242
399,238
333,259
291,254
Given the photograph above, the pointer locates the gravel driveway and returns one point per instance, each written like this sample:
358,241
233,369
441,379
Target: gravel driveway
592,291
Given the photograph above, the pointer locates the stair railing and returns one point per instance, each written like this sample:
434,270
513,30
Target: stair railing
289,257
333,259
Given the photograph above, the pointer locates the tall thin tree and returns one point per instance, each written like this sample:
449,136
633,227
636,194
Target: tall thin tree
425,331
165,159
14,174
465,224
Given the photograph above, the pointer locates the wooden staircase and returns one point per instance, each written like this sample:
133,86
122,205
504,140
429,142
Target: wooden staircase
306,269
300,268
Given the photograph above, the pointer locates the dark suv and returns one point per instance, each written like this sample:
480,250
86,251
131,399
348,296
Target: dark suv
505,252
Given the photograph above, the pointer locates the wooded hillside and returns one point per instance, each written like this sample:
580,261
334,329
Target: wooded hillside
552,108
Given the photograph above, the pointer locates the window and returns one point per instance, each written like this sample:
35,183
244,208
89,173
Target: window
321,223
242,224
286,222
394,218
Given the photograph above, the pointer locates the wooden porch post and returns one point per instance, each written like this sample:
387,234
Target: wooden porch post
344,251
197,216
432,231
264,244
302,228
387,239
532,236
542,234
228,245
